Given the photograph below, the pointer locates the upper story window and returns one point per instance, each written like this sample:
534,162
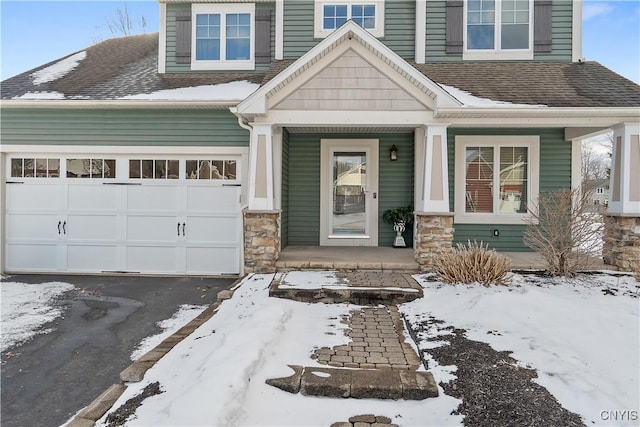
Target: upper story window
330,15
223,36
498,29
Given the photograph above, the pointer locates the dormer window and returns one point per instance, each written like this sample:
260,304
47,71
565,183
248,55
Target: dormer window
330,15
498,29
223,37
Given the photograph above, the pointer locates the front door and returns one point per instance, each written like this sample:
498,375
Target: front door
349,192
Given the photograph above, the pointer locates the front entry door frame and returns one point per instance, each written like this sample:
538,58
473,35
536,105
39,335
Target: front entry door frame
327,149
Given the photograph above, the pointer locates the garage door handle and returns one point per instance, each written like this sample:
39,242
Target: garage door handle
64,227
183,226
59,224
178,229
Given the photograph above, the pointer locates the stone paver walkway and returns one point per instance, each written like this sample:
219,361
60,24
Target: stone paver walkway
377,341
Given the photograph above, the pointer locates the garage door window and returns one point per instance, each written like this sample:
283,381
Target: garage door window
211,169
35,168
153,169
91,168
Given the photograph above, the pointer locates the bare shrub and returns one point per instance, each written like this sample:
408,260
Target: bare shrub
473,263
565,230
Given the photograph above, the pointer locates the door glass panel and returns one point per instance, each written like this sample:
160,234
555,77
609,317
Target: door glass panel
349,185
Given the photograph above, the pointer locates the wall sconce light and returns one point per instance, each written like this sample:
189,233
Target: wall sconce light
393,153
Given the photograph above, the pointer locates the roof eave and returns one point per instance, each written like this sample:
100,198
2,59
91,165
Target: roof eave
538,112
118,104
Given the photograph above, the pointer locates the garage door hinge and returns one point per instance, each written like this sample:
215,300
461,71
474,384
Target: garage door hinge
15,182
232,185
121,183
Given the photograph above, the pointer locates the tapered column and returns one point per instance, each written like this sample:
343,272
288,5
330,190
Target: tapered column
261,188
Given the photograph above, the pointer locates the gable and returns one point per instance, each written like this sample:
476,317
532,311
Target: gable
349,83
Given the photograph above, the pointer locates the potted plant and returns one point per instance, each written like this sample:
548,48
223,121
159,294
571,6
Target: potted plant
400,218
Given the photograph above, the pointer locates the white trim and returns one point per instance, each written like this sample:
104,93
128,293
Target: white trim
429,205
497,53
255,104
277,167
223,9
372,148
576,31
347,118
461,141
419,136
119,103
318,14
625,206
576,163
421,31
3,210
279,54
162,40
261,203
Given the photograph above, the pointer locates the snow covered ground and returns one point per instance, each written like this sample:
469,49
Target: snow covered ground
581,337
25,308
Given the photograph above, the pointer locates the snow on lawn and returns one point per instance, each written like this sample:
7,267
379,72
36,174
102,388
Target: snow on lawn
180,318
59,69
583,338
216,376
310,279
233,91
25,308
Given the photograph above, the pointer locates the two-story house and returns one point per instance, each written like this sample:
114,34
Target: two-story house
245,127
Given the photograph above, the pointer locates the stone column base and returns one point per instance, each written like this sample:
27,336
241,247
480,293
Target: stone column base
622,242
434,234
261,241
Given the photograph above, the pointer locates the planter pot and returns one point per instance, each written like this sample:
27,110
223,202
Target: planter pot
399,242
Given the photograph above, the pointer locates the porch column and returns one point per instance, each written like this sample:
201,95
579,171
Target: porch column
434,222
622,225
261,219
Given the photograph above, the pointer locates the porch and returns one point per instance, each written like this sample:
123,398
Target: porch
385,259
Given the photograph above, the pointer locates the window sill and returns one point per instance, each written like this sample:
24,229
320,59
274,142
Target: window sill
222,65
492,55
497,219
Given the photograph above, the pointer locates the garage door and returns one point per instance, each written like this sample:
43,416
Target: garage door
133,215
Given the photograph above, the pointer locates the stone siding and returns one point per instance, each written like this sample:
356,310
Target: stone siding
434,234
622,242
261,241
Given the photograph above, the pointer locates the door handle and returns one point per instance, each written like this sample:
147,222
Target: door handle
178,229
183,226
59,224
64,227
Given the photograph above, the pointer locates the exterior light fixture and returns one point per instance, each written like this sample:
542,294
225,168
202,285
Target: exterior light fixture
393,153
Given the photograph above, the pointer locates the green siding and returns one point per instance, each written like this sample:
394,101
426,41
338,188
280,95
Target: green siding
303,216
284,201
121,127
399,28
561,32
555,172
170,62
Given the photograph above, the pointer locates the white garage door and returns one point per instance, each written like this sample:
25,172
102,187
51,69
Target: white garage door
149,216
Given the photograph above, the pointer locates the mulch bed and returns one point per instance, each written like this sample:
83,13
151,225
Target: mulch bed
120,416
495,391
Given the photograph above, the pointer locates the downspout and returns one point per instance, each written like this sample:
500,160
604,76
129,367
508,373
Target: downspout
244,125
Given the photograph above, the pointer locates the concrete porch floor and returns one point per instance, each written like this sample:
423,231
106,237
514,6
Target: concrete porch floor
383,258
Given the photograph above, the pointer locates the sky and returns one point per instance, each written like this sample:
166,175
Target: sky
36,32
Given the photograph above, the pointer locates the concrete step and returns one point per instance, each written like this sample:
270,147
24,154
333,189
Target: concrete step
383,383
356,287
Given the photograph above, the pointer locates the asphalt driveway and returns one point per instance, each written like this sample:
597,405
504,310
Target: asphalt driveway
50,378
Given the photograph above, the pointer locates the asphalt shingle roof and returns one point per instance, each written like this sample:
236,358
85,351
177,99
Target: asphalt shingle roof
128,66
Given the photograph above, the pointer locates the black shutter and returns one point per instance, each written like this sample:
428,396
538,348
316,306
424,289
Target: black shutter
263,36
183,37
542,25
455,21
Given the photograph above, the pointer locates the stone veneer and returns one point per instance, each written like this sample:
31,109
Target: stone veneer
434,233
622,242
261,241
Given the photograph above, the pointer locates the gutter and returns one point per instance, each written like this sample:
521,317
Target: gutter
631,113
117,104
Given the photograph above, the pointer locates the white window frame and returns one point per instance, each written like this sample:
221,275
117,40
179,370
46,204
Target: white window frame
532,142
318,28
498,53
223,9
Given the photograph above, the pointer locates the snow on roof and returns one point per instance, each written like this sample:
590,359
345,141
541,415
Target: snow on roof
468,100
233,91
40,95
58,70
